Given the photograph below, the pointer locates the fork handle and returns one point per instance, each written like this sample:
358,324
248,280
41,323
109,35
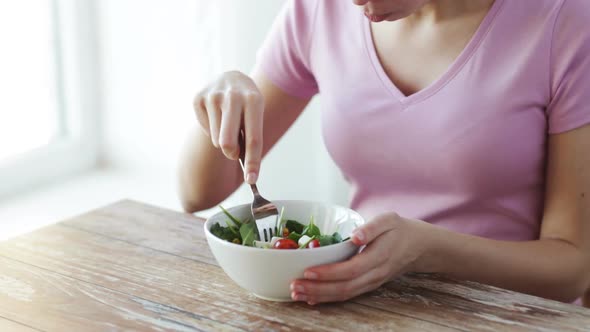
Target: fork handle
242,144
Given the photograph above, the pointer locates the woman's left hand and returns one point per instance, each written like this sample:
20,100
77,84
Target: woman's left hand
393,246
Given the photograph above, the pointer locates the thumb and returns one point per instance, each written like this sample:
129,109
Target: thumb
368,232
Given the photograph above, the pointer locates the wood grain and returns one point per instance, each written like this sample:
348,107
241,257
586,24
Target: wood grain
467,312
474,306
149,226
54,302
134,266
8,325
188,285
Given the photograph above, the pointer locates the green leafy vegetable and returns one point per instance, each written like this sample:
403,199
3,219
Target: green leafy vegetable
295,226
280,223
236,222
311,229
225,233
326,240
245,232
248,232
294,236
337,238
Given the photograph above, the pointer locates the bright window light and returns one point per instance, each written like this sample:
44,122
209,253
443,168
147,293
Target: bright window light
30,115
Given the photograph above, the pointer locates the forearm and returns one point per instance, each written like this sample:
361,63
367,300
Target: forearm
548,268
205,175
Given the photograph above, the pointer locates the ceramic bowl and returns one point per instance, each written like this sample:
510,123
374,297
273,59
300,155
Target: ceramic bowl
267,273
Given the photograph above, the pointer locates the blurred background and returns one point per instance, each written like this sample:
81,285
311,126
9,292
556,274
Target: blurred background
96,99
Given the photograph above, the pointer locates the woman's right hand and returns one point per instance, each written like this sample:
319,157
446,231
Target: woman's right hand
225,106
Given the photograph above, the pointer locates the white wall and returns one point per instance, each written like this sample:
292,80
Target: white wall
157,54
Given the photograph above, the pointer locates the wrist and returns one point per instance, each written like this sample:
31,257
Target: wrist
429,247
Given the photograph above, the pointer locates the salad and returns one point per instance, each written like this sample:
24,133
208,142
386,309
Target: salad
294,235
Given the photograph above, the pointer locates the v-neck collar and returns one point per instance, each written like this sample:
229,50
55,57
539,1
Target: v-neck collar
446,77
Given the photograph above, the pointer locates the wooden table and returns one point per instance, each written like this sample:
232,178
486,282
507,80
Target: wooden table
130,266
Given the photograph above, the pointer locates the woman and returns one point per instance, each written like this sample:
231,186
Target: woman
461,125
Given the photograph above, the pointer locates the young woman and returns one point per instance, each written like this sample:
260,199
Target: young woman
461,125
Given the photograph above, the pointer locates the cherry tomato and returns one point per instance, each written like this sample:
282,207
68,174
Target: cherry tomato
286,244
313,244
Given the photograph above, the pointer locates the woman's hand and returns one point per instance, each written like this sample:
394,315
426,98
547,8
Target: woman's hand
232,102
393,247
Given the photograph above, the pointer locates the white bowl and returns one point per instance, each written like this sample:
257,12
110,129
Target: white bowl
267,273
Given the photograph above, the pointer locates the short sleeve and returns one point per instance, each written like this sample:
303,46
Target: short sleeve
284,55
569,107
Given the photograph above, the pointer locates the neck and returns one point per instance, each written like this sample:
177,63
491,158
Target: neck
442,10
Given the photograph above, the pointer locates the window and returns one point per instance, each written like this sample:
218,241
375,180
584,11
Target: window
29,81
48,87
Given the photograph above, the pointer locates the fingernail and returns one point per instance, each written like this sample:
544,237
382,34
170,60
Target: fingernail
299,289
310,275
251,177
231,155
359,235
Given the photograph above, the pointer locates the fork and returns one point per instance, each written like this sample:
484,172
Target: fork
264,212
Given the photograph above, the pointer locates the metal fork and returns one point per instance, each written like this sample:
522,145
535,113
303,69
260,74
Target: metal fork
264,212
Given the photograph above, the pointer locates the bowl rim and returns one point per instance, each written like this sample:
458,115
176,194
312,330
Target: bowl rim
235,245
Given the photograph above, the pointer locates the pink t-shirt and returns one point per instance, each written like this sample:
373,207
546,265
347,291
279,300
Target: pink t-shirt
469,151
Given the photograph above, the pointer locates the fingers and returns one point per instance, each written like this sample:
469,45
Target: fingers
373,255
384,257
316,291
230,125
371,230
342,281
335,291
213,104
201,113
223,108
253,118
